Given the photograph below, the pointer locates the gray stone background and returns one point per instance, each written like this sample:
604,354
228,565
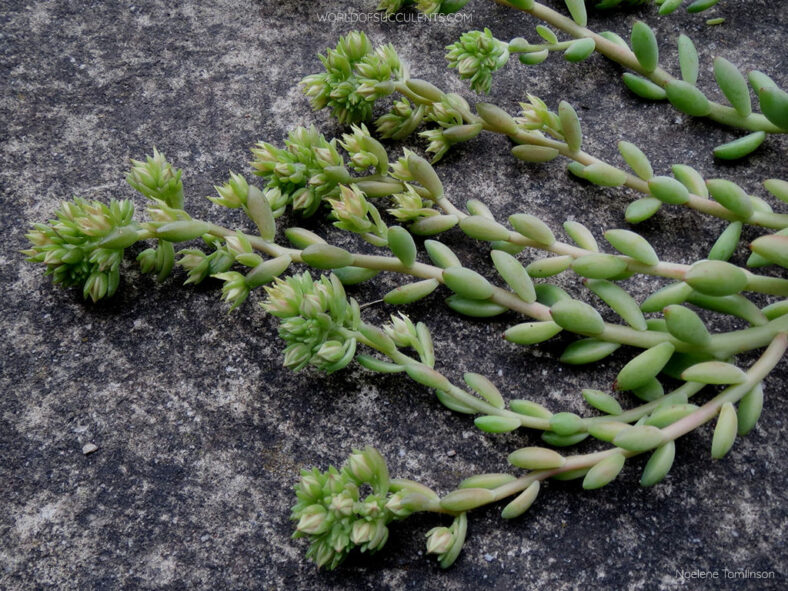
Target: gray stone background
201,433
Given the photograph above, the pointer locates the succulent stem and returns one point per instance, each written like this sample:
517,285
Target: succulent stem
720,345
757,372
625,57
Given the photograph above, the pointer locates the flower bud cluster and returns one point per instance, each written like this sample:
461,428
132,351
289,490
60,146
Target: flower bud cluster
447,542
316,317
476,56
365,151
305,172
354,213
157,179
536,116
84,245
404,333
233,193
199,265
446,116
410,206
332,513
356,76
401,120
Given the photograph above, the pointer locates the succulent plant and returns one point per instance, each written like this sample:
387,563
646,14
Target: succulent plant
322,328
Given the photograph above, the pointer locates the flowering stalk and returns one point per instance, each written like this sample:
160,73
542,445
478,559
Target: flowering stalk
323,328
342,509
327,524
643,57
710,279
322,256
477,55
457,123
486,399
354,213
688,189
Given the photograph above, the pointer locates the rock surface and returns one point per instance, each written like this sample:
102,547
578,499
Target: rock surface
199,431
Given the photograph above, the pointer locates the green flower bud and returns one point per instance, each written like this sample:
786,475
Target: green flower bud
313,520
233,193
439,540
157,179
476,56
235,290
